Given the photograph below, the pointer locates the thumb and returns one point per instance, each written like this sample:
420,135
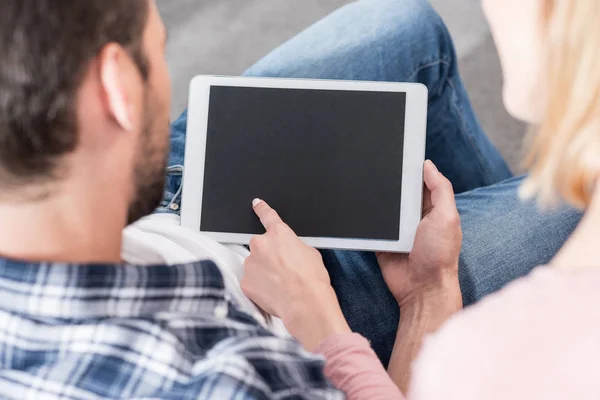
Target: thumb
441,193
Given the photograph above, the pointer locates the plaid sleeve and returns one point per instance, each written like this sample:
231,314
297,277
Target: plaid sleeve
257,368
254,364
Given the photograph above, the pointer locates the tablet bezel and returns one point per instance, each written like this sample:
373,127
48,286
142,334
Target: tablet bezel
412,171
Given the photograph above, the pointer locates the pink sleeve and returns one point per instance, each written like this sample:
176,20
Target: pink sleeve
353,367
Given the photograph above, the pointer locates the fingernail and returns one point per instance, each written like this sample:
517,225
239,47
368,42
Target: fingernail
256,202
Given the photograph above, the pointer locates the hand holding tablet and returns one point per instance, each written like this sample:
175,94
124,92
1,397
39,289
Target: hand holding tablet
431,269
342,162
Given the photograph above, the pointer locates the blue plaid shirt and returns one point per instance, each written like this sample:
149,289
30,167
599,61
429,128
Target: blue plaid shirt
154,332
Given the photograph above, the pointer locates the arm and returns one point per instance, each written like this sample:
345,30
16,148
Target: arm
288,279
425,282
419,318
353,367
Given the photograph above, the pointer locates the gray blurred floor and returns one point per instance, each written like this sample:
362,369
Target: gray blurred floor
227,36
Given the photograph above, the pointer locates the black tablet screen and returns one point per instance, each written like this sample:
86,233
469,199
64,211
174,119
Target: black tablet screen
330,162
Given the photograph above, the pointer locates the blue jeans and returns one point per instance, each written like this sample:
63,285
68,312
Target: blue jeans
406,41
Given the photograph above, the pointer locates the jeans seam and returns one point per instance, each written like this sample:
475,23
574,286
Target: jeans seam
175,170
427,65
457,109
474,148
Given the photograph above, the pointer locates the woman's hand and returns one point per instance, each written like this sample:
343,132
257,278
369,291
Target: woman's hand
431,269
425,282
288,279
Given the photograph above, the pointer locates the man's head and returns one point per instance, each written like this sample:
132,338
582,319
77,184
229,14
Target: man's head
84,91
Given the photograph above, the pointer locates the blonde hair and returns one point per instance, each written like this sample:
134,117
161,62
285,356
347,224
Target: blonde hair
564,150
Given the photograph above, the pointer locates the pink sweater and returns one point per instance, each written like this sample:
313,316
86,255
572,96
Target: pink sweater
537,339
353,367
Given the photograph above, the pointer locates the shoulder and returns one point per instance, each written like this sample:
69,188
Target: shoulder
539,333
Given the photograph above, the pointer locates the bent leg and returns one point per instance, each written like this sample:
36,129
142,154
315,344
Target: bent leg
386,40
401,41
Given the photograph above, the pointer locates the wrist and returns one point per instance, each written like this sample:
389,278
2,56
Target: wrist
434,302
315,317
444,288
422,314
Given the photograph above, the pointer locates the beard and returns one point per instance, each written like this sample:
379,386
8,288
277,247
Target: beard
150,164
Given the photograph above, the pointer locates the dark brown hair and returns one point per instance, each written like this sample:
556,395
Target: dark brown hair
45,49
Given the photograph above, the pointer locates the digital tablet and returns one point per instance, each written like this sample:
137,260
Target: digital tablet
340,161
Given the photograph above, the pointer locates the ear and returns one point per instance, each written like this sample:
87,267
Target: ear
116,82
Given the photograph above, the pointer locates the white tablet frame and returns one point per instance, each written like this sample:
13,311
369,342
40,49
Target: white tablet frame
412,172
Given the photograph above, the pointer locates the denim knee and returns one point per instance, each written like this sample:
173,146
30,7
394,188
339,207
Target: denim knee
377,40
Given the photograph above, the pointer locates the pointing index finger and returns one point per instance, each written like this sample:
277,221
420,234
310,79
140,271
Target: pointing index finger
268,217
